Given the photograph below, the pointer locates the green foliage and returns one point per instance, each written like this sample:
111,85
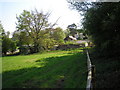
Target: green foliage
23,41
107,71
5,44
73,29
106,35
32,23
34,30
46,70
102,22
67,32
51,37
69,42
8,45
58,35
47,43
1,34
13,46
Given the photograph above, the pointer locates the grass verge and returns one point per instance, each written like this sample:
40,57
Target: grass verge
58,69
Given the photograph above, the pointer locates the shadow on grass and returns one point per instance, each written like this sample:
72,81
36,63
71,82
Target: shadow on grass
53,72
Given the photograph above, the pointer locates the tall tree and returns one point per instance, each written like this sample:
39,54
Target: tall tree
102,21
6,43
73,29
1,34
33,23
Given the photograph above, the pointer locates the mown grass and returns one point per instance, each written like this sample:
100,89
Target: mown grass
56,69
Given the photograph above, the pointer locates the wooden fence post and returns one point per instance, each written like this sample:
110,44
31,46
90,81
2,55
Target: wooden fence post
91,74
93,77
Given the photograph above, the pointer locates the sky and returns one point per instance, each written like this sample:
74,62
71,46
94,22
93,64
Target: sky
58,8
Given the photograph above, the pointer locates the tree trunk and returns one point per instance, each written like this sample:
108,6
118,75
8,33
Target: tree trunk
4,53
36,47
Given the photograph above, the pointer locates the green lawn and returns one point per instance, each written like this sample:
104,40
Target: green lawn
56,69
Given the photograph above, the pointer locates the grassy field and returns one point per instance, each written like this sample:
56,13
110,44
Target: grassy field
56,69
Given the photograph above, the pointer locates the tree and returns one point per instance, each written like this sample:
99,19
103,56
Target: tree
82,34
51,37
67,32
5,42
46,41
23,42
12,46
106,35
33,23
77,33
73,29
102,22
8,45
1,34
5,45
58,35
